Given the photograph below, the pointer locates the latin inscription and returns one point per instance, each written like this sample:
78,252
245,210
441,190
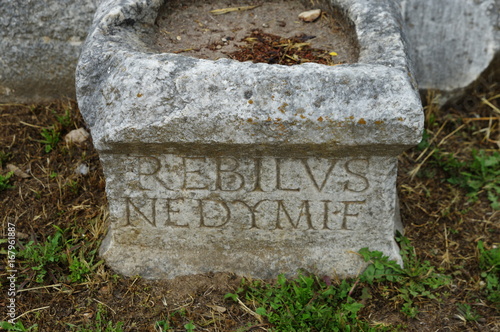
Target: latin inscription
171,191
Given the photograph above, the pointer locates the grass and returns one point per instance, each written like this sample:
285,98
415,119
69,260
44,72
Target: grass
305,303
415,281
467,313
5,181
58,254
17,326
50,138
4,158
450,280
99,323
310,303
489,263
479,175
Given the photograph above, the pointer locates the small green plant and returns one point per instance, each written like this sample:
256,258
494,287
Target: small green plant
162,326
466,313
101,323
415,280
304,304
41,255
424,143
57,251
64,120
18,326
4,158
489,263
50,138
73,186
482,173
5,181
80,266
189,327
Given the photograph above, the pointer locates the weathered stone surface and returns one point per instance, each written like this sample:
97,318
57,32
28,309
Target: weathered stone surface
452,41
252,168
40,42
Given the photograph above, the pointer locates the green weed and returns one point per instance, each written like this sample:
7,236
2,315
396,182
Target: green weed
5,181
64,120
304,304
4,158
50,138
175,318
162,326
73,186
189,327
481,174
100,324
466,313
489,263
80,266
424,143
57,251
42,255
18,326
415,280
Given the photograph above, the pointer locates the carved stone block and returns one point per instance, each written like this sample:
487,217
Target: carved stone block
252,168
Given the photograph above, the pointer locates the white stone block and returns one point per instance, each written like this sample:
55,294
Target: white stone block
252,168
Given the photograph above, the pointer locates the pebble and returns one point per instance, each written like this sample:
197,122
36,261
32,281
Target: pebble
82,169
77,136
310,15
17,171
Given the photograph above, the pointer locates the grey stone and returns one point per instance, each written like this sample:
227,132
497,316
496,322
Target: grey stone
40,43
452,41
452,44
251,168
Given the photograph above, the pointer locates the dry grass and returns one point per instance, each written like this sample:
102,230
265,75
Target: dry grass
439,220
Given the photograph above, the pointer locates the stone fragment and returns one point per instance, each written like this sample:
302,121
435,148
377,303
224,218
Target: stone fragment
200,179
40,42
17,171
82,169
452,42
310,15
79,135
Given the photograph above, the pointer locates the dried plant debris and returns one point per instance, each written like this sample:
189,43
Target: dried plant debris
271,49
232,9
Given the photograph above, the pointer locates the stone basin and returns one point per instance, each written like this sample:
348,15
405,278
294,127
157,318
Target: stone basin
252,168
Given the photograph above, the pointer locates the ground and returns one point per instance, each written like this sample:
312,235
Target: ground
59,214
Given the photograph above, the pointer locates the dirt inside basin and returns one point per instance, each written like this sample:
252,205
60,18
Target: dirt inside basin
269,32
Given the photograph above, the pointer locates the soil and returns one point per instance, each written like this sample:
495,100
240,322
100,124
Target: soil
189,27
51,193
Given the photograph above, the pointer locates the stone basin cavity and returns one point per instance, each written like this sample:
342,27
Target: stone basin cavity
193,28
252,168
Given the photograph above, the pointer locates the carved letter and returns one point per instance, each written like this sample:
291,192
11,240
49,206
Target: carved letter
326,213
365,180
230,172
202,213
169,221
195,171
346,214
327,175
151,221
278,177
252,210
304,207
153,173
258,167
